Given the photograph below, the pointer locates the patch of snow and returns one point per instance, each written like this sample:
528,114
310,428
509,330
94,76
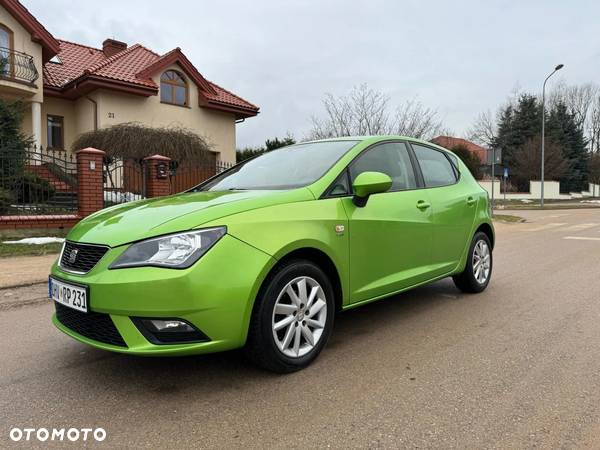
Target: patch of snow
589,201
525,200
36,240
121,197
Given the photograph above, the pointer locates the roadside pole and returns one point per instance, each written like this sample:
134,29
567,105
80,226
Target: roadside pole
505,179
493,162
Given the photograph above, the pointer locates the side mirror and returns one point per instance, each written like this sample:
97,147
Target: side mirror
368,183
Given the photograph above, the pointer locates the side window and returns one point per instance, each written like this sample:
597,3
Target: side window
340,186
392,159
437,169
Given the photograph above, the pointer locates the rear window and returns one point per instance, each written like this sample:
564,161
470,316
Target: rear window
435,166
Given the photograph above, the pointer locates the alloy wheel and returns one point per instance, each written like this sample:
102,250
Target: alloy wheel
299,317
481,261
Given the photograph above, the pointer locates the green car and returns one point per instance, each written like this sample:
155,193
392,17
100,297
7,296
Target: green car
264,255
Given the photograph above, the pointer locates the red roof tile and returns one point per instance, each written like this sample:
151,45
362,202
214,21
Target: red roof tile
128,66
75,59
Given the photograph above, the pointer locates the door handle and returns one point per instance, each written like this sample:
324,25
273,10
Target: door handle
423,205
470,201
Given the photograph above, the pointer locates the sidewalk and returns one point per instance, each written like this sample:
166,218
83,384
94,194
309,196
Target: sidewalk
23,270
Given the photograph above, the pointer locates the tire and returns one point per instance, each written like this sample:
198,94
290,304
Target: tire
472,280
288,349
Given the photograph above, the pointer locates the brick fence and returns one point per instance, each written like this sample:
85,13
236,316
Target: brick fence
90,191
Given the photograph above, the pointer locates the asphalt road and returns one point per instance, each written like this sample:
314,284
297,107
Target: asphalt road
515,367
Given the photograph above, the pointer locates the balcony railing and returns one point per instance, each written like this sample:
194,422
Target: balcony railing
17,66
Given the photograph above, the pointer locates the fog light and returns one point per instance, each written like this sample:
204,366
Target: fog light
170,326
169,331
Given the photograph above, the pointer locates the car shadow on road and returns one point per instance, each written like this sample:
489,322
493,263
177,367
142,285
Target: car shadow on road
229,370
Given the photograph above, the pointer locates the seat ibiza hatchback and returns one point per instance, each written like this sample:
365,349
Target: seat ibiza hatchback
264,255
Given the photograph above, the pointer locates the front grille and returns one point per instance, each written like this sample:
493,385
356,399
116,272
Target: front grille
81,257
96,326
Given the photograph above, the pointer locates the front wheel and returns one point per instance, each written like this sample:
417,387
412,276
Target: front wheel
478,270
292,318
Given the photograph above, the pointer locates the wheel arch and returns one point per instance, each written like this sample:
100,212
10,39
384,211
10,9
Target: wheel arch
316,256
487,229
323,261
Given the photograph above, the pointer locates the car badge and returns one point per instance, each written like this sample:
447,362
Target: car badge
339,229
73,255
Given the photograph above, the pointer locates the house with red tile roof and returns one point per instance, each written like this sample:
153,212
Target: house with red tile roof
71,88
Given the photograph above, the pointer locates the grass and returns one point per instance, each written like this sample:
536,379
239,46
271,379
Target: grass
508,218
7,250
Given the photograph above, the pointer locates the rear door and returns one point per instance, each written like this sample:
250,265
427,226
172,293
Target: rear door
390,237
453,207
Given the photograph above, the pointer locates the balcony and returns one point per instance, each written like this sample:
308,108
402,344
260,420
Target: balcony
17,66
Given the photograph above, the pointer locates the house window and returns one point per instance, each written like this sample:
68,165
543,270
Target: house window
6,45
173,88
56,132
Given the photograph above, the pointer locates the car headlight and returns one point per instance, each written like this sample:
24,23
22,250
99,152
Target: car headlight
176,251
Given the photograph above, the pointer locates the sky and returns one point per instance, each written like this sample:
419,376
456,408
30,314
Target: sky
459,58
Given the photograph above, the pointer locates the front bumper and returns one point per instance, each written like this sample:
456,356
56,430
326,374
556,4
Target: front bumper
216,295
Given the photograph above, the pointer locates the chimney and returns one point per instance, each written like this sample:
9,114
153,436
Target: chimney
111,47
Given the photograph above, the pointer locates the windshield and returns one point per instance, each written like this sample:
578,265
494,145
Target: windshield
285,168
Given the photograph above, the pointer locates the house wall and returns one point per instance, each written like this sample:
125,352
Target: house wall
22,42
59,107
218,128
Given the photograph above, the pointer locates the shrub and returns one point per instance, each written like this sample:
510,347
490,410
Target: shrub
5,201
270,144
35,189
470,159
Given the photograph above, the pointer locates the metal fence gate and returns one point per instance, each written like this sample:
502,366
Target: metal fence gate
37,182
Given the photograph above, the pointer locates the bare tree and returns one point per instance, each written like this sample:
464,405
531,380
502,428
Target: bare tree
365,111
483,131
527,165
583,101
416,120
594,167
577,98
594,171
593,125
485,127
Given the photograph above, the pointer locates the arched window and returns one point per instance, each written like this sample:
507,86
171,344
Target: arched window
6,46
6,37
173,88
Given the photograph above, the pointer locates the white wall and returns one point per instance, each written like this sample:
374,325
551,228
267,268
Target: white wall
551,191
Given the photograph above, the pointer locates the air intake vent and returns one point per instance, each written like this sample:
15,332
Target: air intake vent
92,325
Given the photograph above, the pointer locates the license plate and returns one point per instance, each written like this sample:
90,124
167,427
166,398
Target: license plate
68,294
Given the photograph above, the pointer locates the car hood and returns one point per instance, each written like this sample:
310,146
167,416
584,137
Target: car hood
142,219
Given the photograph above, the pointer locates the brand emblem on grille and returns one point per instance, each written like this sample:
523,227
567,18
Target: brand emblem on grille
73,255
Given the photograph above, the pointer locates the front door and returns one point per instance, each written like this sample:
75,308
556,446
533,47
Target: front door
390,237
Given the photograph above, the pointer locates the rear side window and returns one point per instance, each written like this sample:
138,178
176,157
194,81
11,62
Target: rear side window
391,158
435,166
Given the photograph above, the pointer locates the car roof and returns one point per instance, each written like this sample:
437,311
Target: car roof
377,138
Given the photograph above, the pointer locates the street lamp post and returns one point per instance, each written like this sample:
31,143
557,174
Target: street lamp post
560,66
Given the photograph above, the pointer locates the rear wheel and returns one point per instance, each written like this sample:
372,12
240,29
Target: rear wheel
292,318
478,269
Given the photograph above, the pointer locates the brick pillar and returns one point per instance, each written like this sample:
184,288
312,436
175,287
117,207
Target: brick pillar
90,195
157,180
